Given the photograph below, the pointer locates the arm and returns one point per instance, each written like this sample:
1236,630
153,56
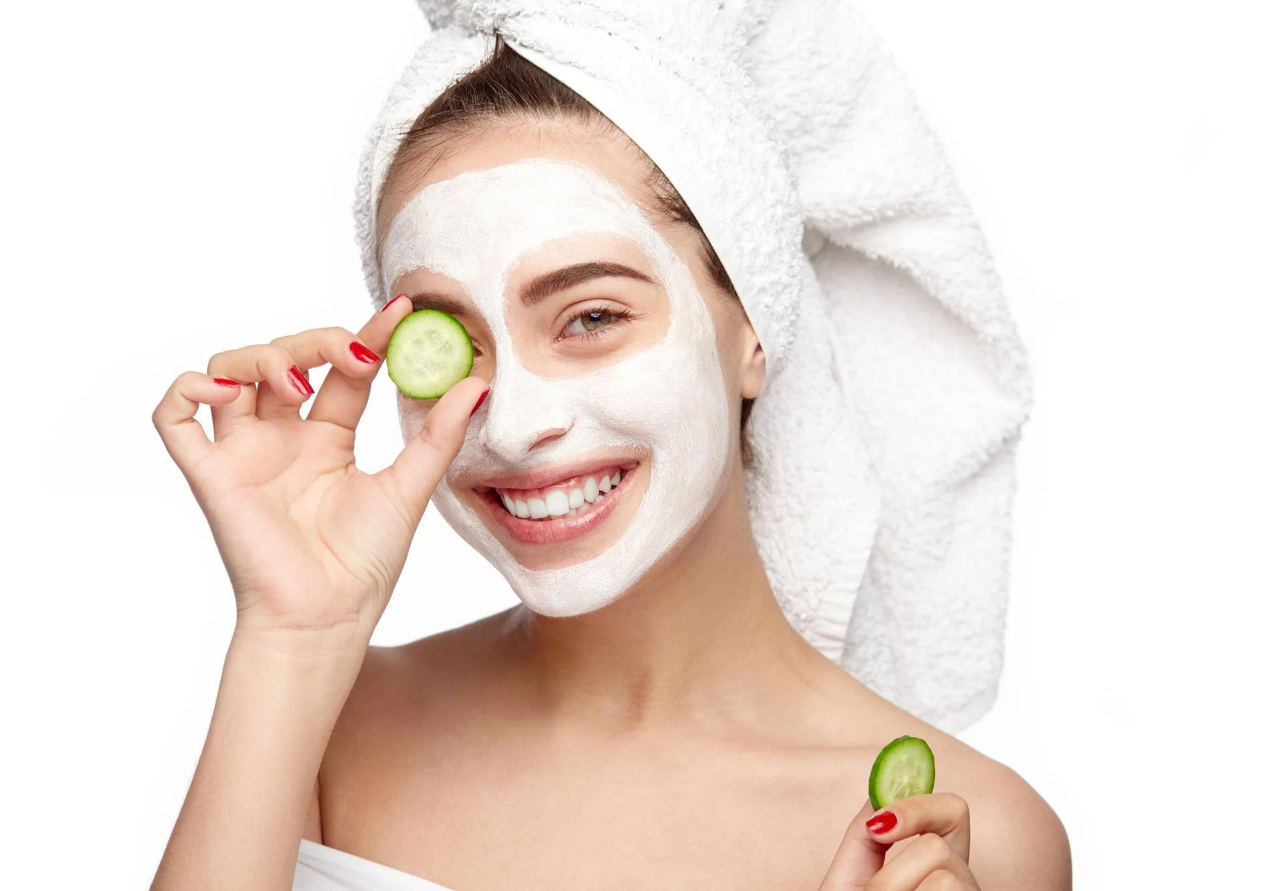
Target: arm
250,797
314,547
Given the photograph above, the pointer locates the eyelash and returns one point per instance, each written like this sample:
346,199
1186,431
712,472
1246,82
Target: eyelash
618,317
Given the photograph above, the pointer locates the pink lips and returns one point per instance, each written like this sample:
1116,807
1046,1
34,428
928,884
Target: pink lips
560,528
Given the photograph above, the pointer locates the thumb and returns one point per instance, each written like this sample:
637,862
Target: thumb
858,858
424,460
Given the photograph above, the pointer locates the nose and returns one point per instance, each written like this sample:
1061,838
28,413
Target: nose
524,413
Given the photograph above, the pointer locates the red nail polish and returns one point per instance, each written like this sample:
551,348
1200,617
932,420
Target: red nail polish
225,382
300,382
882,822
362,352
482,397
391,301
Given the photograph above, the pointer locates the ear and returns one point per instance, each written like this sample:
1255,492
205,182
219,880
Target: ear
752,379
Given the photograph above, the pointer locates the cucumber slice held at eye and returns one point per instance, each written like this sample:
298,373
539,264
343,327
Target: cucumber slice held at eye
903,768
428,353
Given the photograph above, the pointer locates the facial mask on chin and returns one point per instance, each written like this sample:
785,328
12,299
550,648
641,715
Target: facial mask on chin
667,402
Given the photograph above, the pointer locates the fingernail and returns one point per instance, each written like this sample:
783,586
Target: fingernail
300,382
482,396
225,382
362,352
391,301
882,822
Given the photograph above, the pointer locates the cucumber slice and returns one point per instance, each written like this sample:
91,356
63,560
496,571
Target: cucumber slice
429,351
903,768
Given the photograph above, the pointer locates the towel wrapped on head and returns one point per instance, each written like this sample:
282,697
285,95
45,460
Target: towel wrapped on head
884,440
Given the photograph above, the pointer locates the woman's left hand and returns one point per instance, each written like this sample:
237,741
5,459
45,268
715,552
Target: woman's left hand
935,861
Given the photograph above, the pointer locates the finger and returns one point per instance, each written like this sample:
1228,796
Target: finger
858,857
345,391
914,866
310,349
945,880
417,470
228,417
942,813
270,404
184,437
262,363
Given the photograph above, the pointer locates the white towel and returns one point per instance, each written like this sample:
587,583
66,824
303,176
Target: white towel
897,384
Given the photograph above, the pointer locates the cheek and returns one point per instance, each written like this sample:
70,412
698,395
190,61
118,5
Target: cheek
664,394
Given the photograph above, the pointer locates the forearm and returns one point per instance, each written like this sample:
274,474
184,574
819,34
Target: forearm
244,814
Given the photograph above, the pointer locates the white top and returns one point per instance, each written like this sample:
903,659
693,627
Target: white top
322,868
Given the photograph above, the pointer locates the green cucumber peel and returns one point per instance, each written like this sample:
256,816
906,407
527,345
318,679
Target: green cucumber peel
428,353
903,768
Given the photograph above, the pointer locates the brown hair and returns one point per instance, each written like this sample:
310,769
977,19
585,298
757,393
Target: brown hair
508,88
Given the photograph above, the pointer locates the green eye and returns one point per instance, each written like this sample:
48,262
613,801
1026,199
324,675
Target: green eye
593,322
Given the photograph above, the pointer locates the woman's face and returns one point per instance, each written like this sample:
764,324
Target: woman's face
610,426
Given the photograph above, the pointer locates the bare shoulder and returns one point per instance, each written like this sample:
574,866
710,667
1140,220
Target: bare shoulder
1017,840
422,676
400,696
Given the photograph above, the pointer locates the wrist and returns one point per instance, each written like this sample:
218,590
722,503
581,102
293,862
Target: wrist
301,658
348,640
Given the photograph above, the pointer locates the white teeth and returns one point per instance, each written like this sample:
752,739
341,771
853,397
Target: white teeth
556,503
563,502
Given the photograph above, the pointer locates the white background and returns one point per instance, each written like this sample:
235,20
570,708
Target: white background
177,180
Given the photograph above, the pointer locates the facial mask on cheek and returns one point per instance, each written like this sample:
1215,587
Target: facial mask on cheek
668,401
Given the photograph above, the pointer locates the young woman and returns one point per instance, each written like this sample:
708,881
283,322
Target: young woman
647,717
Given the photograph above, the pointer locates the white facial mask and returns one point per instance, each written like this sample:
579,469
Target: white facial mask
668,400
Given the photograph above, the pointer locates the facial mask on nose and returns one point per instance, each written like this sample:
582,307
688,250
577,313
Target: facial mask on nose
668,400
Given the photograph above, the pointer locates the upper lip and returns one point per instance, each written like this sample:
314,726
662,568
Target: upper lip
541,477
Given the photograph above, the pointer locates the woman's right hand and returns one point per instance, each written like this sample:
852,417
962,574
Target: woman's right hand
313,545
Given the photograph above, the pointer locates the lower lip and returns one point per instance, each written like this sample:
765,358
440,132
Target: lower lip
561,528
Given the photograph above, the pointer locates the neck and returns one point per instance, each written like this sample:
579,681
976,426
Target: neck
702,631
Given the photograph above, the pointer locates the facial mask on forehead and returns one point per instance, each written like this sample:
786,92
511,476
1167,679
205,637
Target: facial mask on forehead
666,404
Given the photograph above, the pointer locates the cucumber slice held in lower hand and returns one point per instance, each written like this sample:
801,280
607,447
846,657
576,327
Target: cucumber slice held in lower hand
428,353
903,768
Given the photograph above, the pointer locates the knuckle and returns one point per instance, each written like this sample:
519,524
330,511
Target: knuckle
277,357
430,439
959,804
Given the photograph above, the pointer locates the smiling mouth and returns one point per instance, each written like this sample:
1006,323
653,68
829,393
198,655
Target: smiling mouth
561,511
569,498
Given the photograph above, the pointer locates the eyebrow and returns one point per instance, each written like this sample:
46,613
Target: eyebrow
431,300
540,287
569,276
